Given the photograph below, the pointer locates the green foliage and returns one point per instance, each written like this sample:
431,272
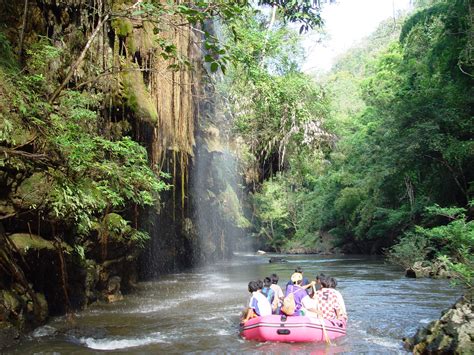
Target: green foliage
40,54
408,145
453,243
101,173
411,248
402,110
199,13
88,175
116,228
278,110
274,210
7,59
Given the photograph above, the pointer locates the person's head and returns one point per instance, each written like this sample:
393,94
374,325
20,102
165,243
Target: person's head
297,278
319,277
324,281
260,284
267,282
332,282
299,269
253,286
274,278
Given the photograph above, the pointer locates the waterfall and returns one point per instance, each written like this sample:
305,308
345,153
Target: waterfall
216,189
201,218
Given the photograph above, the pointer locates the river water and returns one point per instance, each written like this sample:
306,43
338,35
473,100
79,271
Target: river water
198,311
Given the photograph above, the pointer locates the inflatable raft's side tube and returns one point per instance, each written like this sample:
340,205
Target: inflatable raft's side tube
291,329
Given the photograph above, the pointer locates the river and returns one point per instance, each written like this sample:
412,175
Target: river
198,311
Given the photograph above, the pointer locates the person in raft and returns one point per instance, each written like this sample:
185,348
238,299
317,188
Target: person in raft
304,280
342,305
267,291
258,304
278,299
309,304
298,291
330,301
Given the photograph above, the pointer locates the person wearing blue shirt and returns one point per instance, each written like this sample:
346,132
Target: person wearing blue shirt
267,291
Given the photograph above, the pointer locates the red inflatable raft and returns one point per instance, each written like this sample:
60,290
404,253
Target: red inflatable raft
291,329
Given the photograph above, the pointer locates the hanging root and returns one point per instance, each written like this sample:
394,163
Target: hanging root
64,280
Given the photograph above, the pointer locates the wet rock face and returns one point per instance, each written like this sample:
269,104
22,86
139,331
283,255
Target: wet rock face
453,333
18,312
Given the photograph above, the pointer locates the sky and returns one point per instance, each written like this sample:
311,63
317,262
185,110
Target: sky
346,23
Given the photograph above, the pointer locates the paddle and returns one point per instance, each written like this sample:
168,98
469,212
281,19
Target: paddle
326,336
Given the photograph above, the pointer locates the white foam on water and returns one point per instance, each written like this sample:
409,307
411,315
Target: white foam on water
208,318
425,321
387,343
114,344
223,332
203,294
169,303
167,282
153,308
44,331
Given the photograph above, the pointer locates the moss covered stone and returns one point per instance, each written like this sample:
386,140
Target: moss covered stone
137,96
32,191
122,27
25,242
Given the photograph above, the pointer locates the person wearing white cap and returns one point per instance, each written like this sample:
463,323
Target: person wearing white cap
298,291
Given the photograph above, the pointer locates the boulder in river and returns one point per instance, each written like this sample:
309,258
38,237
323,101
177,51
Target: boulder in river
453,333
437,270
113,293
275,259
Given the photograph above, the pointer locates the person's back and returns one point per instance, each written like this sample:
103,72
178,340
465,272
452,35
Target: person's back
267,290
258,302
330,301
342,306
278,299
310,304
298,292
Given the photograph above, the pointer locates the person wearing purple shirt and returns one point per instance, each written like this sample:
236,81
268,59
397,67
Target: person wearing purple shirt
304,282
298,291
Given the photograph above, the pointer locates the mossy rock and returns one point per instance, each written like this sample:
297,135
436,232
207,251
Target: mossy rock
122,27
137,96
10,301
32,191
6,208
144,39
25,242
